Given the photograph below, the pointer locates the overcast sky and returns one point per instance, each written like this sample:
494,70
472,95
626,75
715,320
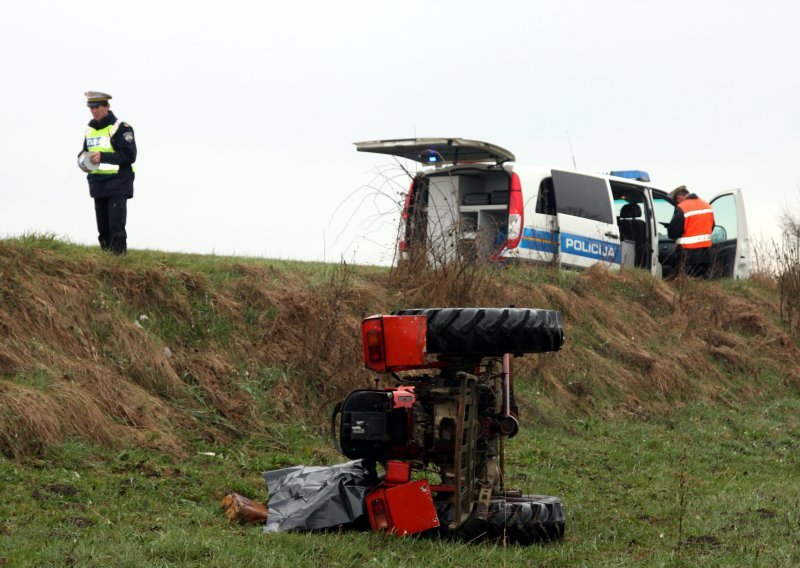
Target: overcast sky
245,112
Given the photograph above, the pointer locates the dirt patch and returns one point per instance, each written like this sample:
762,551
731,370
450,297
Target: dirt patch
650,520
64,489
766,513
703,541
81,522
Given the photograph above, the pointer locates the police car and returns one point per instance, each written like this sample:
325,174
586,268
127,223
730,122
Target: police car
471,199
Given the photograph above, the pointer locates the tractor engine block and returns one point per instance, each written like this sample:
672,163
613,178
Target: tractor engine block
410,422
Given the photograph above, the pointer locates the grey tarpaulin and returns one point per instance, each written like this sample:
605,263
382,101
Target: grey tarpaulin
314,497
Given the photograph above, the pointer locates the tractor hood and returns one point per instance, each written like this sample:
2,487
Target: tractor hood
437,151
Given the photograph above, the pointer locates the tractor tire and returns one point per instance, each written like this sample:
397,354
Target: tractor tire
491,331
522,521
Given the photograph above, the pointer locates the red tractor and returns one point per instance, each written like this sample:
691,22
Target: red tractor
440,431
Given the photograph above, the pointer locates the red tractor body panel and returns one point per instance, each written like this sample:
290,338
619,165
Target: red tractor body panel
402,509
394,343
397,472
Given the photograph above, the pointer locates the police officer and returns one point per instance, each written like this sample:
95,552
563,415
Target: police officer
109,151
691,227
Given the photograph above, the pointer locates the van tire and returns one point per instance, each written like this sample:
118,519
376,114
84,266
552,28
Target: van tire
491,331
523,521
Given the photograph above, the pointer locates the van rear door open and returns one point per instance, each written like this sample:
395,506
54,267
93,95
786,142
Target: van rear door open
588,231
462,203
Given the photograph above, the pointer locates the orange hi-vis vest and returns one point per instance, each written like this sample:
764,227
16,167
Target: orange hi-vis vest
698,222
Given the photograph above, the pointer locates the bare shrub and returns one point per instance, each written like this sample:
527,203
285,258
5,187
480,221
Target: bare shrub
788,276
447,271
448,260
779,258
454,284
763,267
331,338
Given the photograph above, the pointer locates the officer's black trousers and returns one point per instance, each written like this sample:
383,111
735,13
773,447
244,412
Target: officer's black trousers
112,213
696,262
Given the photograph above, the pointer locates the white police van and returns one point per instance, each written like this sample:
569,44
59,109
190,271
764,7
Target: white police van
472,199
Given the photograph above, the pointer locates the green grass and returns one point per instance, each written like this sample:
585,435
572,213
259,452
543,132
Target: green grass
217,267
705,486
36,378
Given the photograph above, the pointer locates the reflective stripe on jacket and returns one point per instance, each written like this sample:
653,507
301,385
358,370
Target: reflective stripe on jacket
698,223
100,141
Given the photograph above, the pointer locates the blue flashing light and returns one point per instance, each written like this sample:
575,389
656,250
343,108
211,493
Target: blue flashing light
431,156
638,175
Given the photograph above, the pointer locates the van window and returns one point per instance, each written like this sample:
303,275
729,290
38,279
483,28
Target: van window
546,202
725,217
664,210
582,196
625,194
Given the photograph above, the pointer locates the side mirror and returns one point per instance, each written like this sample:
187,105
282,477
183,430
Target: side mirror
719,234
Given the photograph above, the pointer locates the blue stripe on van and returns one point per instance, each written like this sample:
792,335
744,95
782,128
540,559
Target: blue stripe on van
591,248
542,241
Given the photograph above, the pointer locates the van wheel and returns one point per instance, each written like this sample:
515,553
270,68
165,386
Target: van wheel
525,520
492,331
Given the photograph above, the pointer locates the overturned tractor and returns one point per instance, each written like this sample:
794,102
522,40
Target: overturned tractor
440,431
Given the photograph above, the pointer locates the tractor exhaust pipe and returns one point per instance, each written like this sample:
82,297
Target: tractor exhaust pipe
509,425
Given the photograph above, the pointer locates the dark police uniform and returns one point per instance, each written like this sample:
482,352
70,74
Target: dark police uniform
111,185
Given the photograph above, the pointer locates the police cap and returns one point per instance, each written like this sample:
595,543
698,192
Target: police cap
96,98
681,189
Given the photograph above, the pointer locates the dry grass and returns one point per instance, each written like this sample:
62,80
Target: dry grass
452,284
116,353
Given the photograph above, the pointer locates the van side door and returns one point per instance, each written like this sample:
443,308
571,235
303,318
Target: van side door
587,229
730,246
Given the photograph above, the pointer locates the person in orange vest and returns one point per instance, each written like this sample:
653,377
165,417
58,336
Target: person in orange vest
691,227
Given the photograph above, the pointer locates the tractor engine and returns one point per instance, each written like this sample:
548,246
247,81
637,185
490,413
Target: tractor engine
410,422
391,424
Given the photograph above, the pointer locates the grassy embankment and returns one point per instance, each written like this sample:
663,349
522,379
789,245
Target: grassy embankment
670,444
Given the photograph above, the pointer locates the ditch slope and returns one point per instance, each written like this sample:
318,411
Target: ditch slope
163,351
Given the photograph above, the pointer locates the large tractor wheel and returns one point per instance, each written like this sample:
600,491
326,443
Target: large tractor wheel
522,521
491,331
